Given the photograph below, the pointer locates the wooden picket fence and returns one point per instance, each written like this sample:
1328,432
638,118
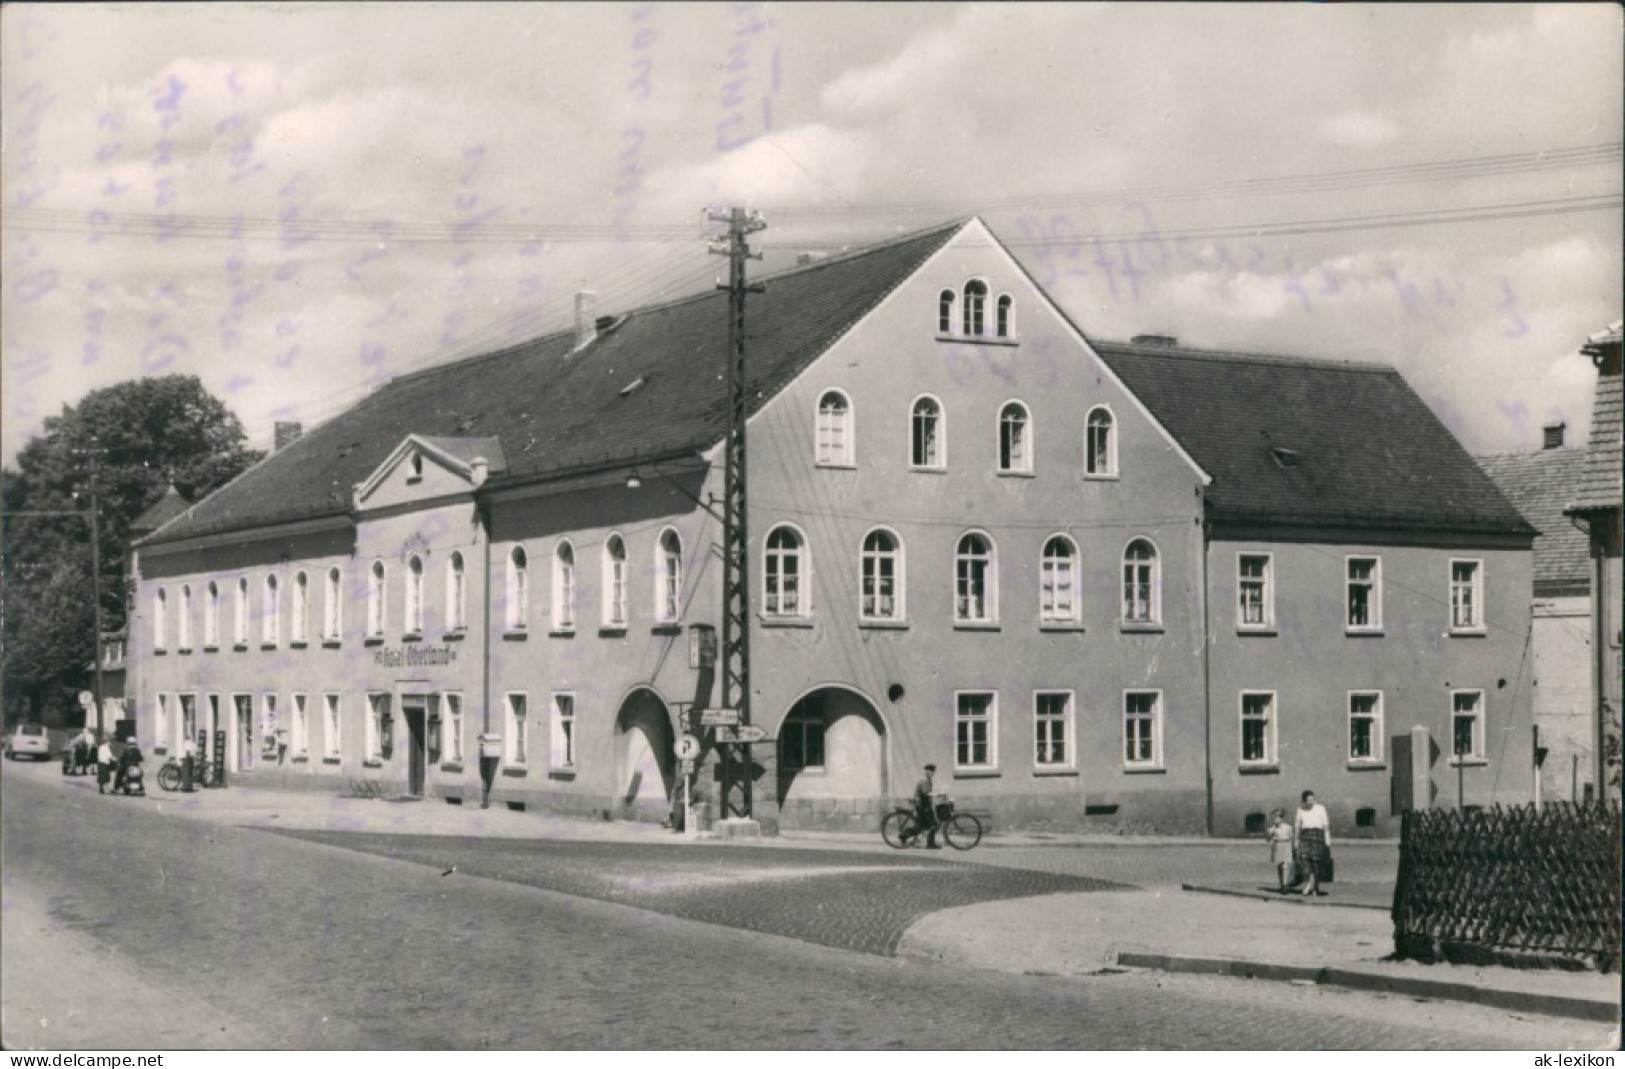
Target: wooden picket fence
1510,884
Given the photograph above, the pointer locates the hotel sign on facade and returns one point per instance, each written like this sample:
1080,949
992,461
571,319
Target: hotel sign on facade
413,656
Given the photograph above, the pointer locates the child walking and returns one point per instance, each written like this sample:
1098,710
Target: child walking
1280,840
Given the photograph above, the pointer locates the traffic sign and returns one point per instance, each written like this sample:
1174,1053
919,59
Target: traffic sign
742,733
688,748
87,699
716,718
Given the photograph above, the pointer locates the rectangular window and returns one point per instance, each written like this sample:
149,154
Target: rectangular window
564,731
301,608
299,740
332,602
975,721
377,711
1365,593
1254,572
514,718
239,614
1052,729
1141,738
330,725
188,724
1466,595
183,628
167,730
451,706
272,730
1467,726
1257,728
804,744
1365,726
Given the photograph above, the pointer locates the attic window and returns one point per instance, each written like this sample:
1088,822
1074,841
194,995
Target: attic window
1286,458
414,468
632,387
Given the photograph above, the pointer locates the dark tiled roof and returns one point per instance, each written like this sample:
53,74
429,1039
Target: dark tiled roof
163,510
1598,487
1540,484
556,413
1312,443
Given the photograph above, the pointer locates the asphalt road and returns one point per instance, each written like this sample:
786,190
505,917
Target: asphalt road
263,939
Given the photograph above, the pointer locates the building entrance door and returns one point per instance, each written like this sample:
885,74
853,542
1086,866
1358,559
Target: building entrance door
417,743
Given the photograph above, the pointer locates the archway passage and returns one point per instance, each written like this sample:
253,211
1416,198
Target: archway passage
645,758
831,761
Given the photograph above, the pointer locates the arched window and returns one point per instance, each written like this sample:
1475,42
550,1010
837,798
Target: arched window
160,609
975,308
881,596
1100,443
1058,582
1142,583
456,594
614,582
564,587
301,608
183,623
784,574
239,622
669,568
928,444
271,612
211,616
1004,323
413,618
834,429
333,605
1015,438
517,590
946,301
975,580
376,591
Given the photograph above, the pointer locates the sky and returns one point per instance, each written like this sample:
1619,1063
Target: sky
298,202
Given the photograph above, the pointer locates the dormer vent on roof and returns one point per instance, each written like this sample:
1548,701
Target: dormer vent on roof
586,320
1161,341
1286,458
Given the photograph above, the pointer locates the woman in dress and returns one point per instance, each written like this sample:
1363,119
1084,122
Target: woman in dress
1312,832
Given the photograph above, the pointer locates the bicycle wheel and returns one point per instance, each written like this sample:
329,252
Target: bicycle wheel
169,778
204,775
962,831
898,829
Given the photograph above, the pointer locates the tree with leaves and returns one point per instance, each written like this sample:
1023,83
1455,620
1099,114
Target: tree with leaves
128,443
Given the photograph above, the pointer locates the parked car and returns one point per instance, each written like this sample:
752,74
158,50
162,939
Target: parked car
28,740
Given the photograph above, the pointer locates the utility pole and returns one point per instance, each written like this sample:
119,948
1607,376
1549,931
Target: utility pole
96,595
736,791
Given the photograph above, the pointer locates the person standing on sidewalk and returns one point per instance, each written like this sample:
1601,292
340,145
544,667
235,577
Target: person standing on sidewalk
1280,839
104,765
1313,845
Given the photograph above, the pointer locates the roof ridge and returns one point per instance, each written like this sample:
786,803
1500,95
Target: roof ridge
1237,357
851,254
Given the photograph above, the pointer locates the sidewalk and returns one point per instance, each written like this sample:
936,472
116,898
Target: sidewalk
1222,928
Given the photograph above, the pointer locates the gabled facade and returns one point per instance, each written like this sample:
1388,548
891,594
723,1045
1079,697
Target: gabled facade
978,539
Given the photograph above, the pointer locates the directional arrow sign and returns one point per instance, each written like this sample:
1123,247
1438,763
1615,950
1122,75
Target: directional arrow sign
716,718
742,733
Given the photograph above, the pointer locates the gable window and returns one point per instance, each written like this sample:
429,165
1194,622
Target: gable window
413,617
414,467
516,588
514,717
1015,438
946,302
925,428
975,308
881,595
451,708
160,609
975,580
1258,728
376,590
564,731
1466,595
1365,593
456,593
1005,318
1100,444
183,623
669,567
239,623
1467,726
614,582
1255,609
976,715
1142,737
271,612
330,725
1052,729
333,605
1142,584
211,616
1365,726
301,608
564,587
834,430
1058,581
783,574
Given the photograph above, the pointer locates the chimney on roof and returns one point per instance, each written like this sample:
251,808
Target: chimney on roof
586,319
285,434
1553,435
1161,341
805,258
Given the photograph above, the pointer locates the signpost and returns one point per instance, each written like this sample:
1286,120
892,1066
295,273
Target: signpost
717,718
742,733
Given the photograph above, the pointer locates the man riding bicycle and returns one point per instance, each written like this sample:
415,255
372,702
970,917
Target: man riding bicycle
925,810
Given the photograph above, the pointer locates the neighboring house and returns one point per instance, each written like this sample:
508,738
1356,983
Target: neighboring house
1541,484
1596,503
1121,584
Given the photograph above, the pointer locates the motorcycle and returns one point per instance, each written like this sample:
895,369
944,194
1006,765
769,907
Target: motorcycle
129,777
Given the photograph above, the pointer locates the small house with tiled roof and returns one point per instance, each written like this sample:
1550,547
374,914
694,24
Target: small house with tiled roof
1097,584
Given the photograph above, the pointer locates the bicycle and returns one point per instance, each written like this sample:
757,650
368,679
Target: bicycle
169,776
902,829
